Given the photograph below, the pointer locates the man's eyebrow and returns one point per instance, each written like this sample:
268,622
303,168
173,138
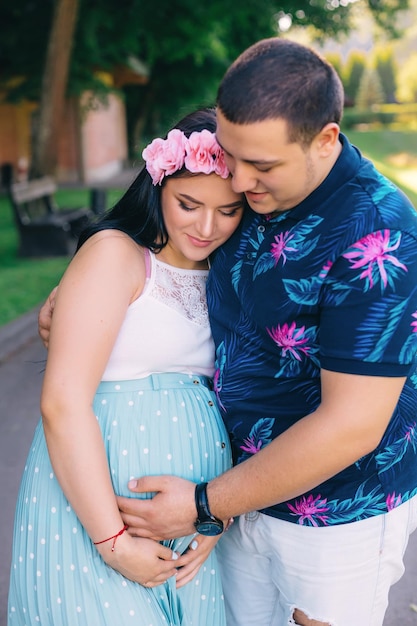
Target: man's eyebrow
253,161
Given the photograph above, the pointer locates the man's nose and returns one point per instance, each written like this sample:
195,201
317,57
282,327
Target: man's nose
243,178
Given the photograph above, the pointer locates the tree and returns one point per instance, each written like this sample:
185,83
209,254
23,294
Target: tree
54,85
407,80
354,68
370,89
385,64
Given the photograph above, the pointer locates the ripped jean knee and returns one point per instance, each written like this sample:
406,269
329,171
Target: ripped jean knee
299,618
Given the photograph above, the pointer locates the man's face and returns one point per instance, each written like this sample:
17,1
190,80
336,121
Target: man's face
274,174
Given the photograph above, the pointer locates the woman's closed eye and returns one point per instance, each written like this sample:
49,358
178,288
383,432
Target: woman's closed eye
187,207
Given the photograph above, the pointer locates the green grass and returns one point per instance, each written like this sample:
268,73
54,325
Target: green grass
25,283
394,153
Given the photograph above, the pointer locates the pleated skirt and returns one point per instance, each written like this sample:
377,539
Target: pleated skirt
163,424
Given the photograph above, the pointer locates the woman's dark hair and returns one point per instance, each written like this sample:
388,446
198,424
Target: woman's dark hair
138,213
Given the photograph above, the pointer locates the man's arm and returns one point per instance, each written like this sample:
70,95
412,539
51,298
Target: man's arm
45,317
349,423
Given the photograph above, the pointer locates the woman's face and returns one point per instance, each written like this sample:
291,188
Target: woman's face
200,213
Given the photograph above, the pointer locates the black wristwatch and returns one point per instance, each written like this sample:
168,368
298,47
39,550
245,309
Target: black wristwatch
206,523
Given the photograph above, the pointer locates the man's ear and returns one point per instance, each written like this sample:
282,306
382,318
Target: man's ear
327,139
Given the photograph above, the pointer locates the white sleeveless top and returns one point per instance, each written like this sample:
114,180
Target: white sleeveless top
166,329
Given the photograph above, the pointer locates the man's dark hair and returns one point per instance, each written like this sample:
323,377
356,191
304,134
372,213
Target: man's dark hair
278,78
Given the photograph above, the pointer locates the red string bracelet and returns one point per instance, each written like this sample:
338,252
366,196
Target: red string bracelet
114,537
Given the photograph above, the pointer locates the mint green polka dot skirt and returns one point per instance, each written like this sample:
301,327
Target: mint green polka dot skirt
163,424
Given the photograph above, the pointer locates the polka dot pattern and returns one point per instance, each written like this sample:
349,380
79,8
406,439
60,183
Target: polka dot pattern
57,576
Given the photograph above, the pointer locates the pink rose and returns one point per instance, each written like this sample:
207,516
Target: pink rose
221,168
165,156
201,151
152,154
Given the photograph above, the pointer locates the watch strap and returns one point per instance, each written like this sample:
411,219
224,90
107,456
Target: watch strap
202,505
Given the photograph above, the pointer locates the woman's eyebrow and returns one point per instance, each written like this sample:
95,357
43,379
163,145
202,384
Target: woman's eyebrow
236,203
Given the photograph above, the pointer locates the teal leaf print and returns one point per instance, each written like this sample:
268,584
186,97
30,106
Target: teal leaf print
235,274
359,507
260,435
336,293
265,262
256,243
304,291
303,249
382,189
377,329
396,451
315,511
408,351
303,229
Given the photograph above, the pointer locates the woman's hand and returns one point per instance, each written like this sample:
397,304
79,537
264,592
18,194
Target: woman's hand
45,317
142,560
192,559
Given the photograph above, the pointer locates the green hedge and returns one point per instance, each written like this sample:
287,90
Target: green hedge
381,115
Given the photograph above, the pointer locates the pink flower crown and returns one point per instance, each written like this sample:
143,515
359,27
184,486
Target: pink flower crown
199,153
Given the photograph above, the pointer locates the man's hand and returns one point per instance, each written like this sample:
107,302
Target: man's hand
169,514
45,317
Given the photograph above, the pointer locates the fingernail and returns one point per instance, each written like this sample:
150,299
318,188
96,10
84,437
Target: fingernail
194,545
174,556
132,484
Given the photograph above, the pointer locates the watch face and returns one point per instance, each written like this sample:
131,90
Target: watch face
210,529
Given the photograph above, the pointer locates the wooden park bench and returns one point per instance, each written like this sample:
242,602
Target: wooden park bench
44,228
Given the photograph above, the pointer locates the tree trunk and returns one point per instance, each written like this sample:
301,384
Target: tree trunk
54,86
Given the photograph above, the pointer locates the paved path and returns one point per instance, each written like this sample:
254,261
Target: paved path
20,381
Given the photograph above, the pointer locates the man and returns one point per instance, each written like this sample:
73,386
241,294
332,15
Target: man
313,305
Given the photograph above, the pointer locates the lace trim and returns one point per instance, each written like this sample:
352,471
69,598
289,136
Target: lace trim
182,290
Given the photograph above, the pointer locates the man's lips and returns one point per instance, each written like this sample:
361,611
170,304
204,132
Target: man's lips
255,196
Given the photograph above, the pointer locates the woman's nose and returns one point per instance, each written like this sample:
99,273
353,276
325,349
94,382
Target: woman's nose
206,224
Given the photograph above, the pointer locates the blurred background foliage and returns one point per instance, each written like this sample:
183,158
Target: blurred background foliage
187,45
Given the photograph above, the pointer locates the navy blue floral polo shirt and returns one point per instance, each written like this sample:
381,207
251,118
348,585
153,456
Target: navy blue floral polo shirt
332,284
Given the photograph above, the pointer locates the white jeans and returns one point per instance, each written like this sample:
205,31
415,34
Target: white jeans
340,575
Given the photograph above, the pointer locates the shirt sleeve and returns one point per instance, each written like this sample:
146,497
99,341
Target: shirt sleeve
368,322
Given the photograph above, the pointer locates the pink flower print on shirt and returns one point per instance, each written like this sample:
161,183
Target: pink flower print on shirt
251,446
278,249
372,253
410,433
393,501
414,324
291,339
309,509
326,269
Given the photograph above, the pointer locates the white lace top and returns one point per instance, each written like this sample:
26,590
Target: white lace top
166,329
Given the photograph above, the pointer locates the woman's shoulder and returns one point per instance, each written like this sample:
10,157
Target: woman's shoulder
108,240
115,249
